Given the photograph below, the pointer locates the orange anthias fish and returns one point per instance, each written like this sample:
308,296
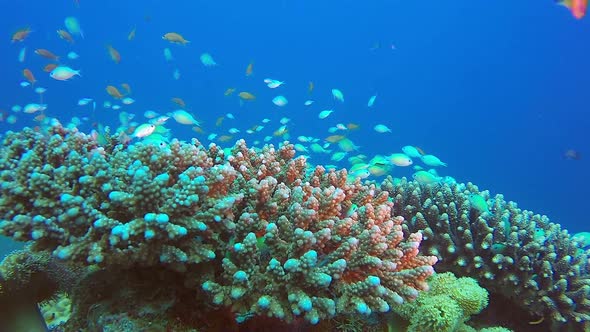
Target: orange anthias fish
250,69
63,34
246,95
114,54
114,92
50,67
225,138
127,88
46,54
28,74
21,34
352,126
179,102
335,138
176,38
577,7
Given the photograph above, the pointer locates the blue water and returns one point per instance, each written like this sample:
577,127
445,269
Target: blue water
498,90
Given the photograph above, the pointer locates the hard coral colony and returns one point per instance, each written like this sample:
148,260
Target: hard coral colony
252,231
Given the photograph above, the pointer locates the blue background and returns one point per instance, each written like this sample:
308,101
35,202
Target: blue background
498,90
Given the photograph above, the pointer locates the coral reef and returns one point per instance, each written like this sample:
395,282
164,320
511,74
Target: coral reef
254,230
27,279
512,252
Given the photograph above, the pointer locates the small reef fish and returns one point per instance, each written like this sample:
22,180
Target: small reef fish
131,34
425,177
114,54
479,203
22,54
338,156
273,84
246,96
229,91
150,114
168,54
63,73
381,128
128,101
400,159
178,101
572,154
280,101
126,87
432,161
324,114
250,69
33,108
371,101
576,7
347,145
144,130
175,38
335,138
378,170
316,148
28,74
338,95
308,102
184,117
359,174
114,92
21,34
352,126
160,120
412,151
73,26
46,54
63,34
73,55
310,87
207,60
49,67
84,101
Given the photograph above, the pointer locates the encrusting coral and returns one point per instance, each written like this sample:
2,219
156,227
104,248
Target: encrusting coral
251,228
